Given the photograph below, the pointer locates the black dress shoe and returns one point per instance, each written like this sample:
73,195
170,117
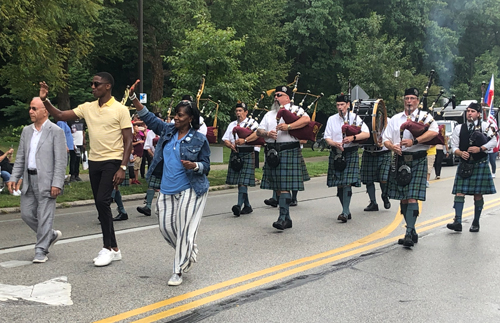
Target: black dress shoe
280,225
387,203
271,202
414,237
293,203
121,217
246,210
236,210
144,210
371,207
342,218
408,240
287,224
474,228
349,216
455,226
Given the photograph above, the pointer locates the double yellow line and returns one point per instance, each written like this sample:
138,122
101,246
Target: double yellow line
360,246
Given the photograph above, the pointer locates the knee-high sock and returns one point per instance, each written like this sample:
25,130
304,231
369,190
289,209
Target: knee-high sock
294,195
284,203
370,188
404,207
246,201
411,217
347,193
340,194
118,199
478,208
275,196
458,205
383,188
242,190
150,194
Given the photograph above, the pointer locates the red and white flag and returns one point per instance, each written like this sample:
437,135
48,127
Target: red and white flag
488,99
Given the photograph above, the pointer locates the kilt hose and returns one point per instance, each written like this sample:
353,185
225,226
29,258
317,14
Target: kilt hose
375,167
416,188
246,175
288,175
480,182
349,176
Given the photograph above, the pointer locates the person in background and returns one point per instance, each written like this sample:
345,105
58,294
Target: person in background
138,143
492,157
431,158
5,166
80,142
70,146
441,152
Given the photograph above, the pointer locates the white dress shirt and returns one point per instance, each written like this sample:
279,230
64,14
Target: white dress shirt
228,135
148,143
34,144
455,137
269,123
333,129
392,132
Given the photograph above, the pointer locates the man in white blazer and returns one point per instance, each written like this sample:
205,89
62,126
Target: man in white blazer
41,162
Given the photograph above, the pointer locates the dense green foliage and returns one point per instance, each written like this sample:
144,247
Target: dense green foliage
245,47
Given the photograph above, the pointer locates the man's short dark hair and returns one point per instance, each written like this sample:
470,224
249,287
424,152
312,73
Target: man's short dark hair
107,77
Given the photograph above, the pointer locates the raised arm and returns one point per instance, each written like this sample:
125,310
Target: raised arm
56,113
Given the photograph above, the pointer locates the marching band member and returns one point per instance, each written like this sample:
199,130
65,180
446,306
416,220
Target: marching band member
343,165
283,170
473,176
409,183
241,171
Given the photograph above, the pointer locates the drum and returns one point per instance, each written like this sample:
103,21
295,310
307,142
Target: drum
374,115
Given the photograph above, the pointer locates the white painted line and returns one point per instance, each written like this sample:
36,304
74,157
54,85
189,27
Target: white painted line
56,291
71,240
14,263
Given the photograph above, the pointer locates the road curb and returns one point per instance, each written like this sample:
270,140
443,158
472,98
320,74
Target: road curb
131,197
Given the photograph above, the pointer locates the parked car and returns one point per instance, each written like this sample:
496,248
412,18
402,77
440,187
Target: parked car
450,126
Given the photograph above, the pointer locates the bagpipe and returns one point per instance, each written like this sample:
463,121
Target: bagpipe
212,131
251,124
419,126
310,130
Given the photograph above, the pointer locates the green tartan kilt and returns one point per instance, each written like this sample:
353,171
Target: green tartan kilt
126,181
417,187
480,182
305,173
375,167
154,182
349,176
288,175
246,175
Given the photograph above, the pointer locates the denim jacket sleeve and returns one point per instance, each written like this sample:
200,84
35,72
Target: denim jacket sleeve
152,121
204,162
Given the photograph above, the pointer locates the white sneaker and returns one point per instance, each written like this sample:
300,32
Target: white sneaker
117,255
16,193
104,258
493,175
175,280
427,184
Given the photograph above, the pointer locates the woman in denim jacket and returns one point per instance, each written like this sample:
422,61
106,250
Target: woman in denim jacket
182,161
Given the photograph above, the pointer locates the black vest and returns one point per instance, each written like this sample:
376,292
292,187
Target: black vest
476,139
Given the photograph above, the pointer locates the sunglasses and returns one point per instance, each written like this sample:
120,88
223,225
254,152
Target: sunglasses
96,84
32,108
278,95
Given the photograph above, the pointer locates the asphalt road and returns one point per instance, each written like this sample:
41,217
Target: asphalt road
318,271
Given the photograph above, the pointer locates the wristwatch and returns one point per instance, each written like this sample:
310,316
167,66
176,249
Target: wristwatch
415,142
123,167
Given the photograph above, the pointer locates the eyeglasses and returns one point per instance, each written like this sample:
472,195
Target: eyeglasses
278,95
96,84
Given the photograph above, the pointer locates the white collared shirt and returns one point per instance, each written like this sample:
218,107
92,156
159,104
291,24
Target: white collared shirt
148,143
455,137
269,123
35,138
228,135
392,132
334,125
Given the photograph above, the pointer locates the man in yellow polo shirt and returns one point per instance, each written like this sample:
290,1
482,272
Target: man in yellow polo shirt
110,136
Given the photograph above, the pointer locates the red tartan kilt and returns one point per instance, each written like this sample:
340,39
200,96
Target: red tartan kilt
212,135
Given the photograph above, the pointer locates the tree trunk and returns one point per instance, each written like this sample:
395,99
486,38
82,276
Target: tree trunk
158,80
63,102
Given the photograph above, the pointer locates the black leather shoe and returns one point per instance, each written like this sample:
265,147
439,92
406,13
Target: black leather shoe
293,203
236,210
342,218
271,202
371,207
280,225
144,210
455,226
387,203
474,228
414,237
408,241
246,210
287,224
349,216
121,217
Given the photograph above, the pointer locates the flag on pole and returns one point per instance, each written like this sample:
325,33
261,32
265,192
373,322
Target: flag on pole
488,99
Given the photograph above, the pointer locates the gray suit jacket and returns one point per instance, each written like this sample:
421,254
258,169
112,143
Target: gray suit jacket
51,159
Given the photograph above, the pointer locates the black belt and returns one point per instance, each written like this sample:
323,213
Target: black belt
377,153
245,149
416,154
352,148
32,172
284,146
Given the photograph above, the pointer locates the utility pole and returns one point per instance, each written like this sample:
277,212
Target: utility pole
141,49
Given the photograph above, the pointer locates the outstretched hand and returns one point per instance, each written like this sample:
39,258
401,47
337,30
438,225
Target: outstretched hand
132,88
44,90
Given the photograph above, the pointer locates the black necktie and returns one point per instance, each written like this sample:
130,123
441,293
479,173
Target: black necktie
471,128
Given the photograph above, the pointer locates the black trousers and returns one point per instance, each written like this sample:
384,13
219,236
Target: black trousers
145,157
438,162
74,162
101,180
